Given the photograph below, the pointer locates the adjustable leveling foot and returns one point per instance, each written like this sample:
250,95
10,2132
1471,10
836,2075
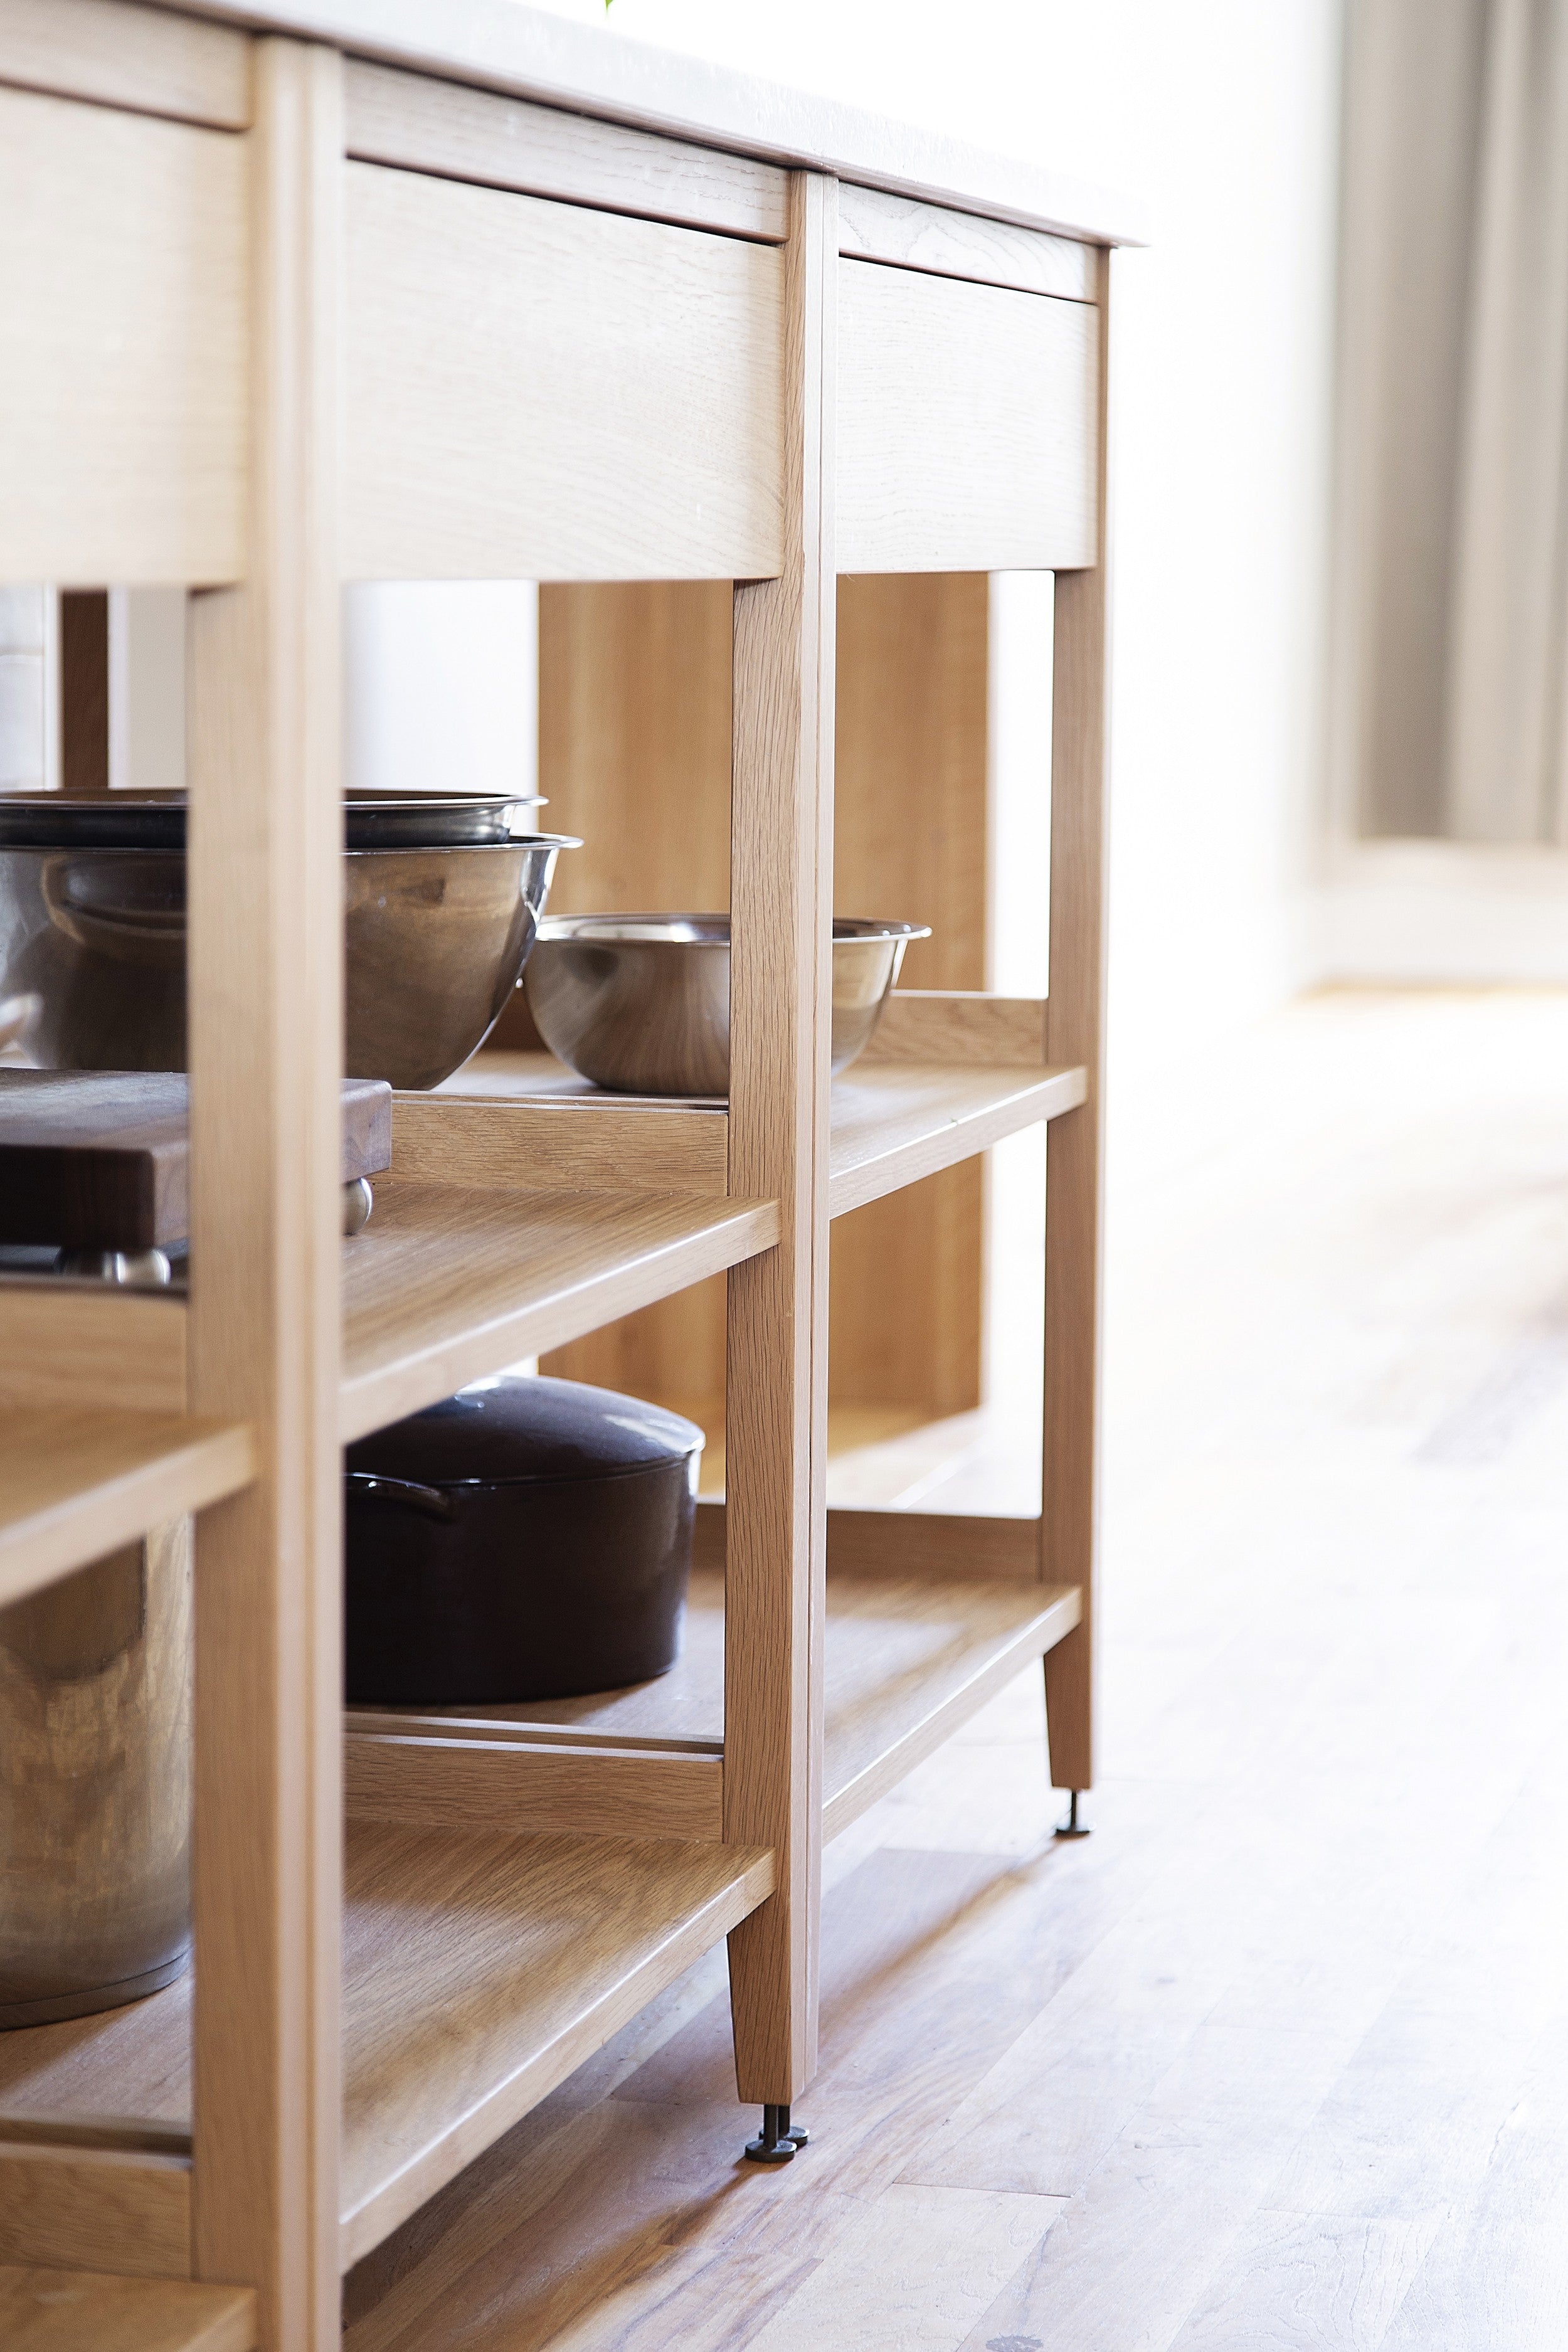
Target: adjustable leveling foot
1072,1827
778,2139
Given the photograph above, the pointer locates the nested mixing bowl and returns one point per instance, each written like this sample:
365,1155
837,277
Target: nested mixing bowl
641,1003
442,898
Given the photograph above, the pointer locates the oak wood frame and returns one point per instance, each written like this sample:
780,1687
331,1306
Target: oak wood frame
781,1001
266,941
264,674
1075,1028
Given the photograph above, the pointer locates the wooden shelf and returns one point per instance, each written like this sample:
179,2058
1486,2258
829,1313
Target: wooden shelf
893,1122
479,1969
86,2311
447,1283
76,1483
907,1660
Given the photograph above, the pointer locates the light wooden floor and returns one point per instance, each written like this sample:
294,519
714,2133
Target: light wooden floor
1279,2058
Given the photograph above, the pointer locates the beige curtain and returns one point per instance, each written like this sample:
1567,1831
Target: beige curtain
1451,620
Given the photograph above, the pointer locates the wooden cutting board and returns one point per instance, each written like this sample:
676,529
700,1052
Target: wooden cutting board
99,1159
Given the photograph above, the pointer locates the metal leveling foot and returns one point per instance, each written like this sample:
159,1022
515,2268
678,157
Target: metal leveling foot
778,2139
1072,1826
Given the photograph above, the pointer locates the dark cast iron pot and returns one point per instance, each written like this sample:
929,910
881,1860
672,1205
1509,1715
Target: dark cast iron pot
524,1539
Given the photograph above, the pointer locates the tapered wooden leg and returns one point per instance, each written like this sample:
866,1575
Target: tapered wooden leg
777,1353
1075,1032
266,954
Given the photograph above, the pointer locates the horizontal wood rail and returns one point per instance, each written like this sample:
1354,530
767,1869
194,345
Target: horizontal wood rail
471,1776
419,125
906,1543
946,1025
146,60
126,2210
50,2310
875,226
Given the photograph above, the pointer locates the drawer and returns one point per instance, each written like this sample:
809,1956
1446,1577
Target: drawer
539,391
968,425
122,345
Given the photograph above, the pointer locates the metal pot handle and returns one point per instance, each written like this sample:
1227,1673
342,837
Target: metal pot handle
370,1486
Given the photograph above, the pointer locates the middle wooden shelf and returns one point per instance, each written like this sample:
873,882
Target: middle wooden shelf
907,1660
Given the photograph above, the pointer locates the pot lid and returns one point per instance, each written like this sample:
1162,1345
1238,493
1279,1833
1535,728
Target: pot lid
138,820
514,1428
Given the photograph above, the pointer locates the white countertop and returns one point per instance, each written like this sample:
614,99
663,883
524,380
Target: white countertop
499,45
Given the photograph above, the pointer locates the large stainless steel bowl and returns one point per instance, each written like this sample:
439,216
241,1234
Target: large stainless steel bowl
641,1003
442,898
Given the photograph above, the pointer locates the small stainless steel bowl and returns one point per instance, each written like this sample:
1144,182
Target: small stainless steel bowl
641,1003
442,896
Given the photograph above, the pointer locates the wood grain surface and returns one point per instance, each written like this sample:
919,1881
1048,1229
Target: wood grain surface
634,753
911,761
934,1024
467,1782
875,226
265,891
968,426
105,2209
75,2310
482,1135
81,1344
1283,2042
892,1541
634,691
480,1969
635,686
1075,1032
77,1482
781,997
895,1122
122,428
446,1284
535,390
149,60
423,125
892,1122
907,1660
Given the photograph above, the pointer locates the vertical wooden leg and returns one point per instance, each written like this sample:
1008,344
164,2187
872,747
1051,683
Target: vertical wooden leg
781,1007
1075,1030
266,955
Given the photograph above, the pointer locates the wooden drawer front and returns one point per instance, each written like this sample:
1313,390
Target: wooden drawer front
537,391
122,346
967,425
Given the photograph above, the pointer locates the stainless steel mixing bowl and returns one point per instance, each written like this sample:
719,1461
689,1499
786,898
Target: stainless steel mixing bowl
641,1003
442,897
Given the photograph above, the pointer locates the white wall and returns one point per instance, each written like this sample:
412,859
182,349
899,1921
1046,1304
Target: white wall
441,687
1225,117
26,620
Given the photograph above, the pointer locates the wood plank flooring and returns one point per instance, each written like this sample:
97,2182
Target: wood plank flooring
1278,2059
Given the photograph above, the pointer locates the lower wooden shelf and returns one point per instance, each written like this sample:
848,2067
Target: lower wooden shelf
907,1660
447,1282
76,1483
86,2311
479,1969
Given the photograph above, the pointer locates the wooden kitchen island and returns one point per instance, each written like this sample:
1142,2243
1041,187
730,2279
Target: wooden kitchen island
307,292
